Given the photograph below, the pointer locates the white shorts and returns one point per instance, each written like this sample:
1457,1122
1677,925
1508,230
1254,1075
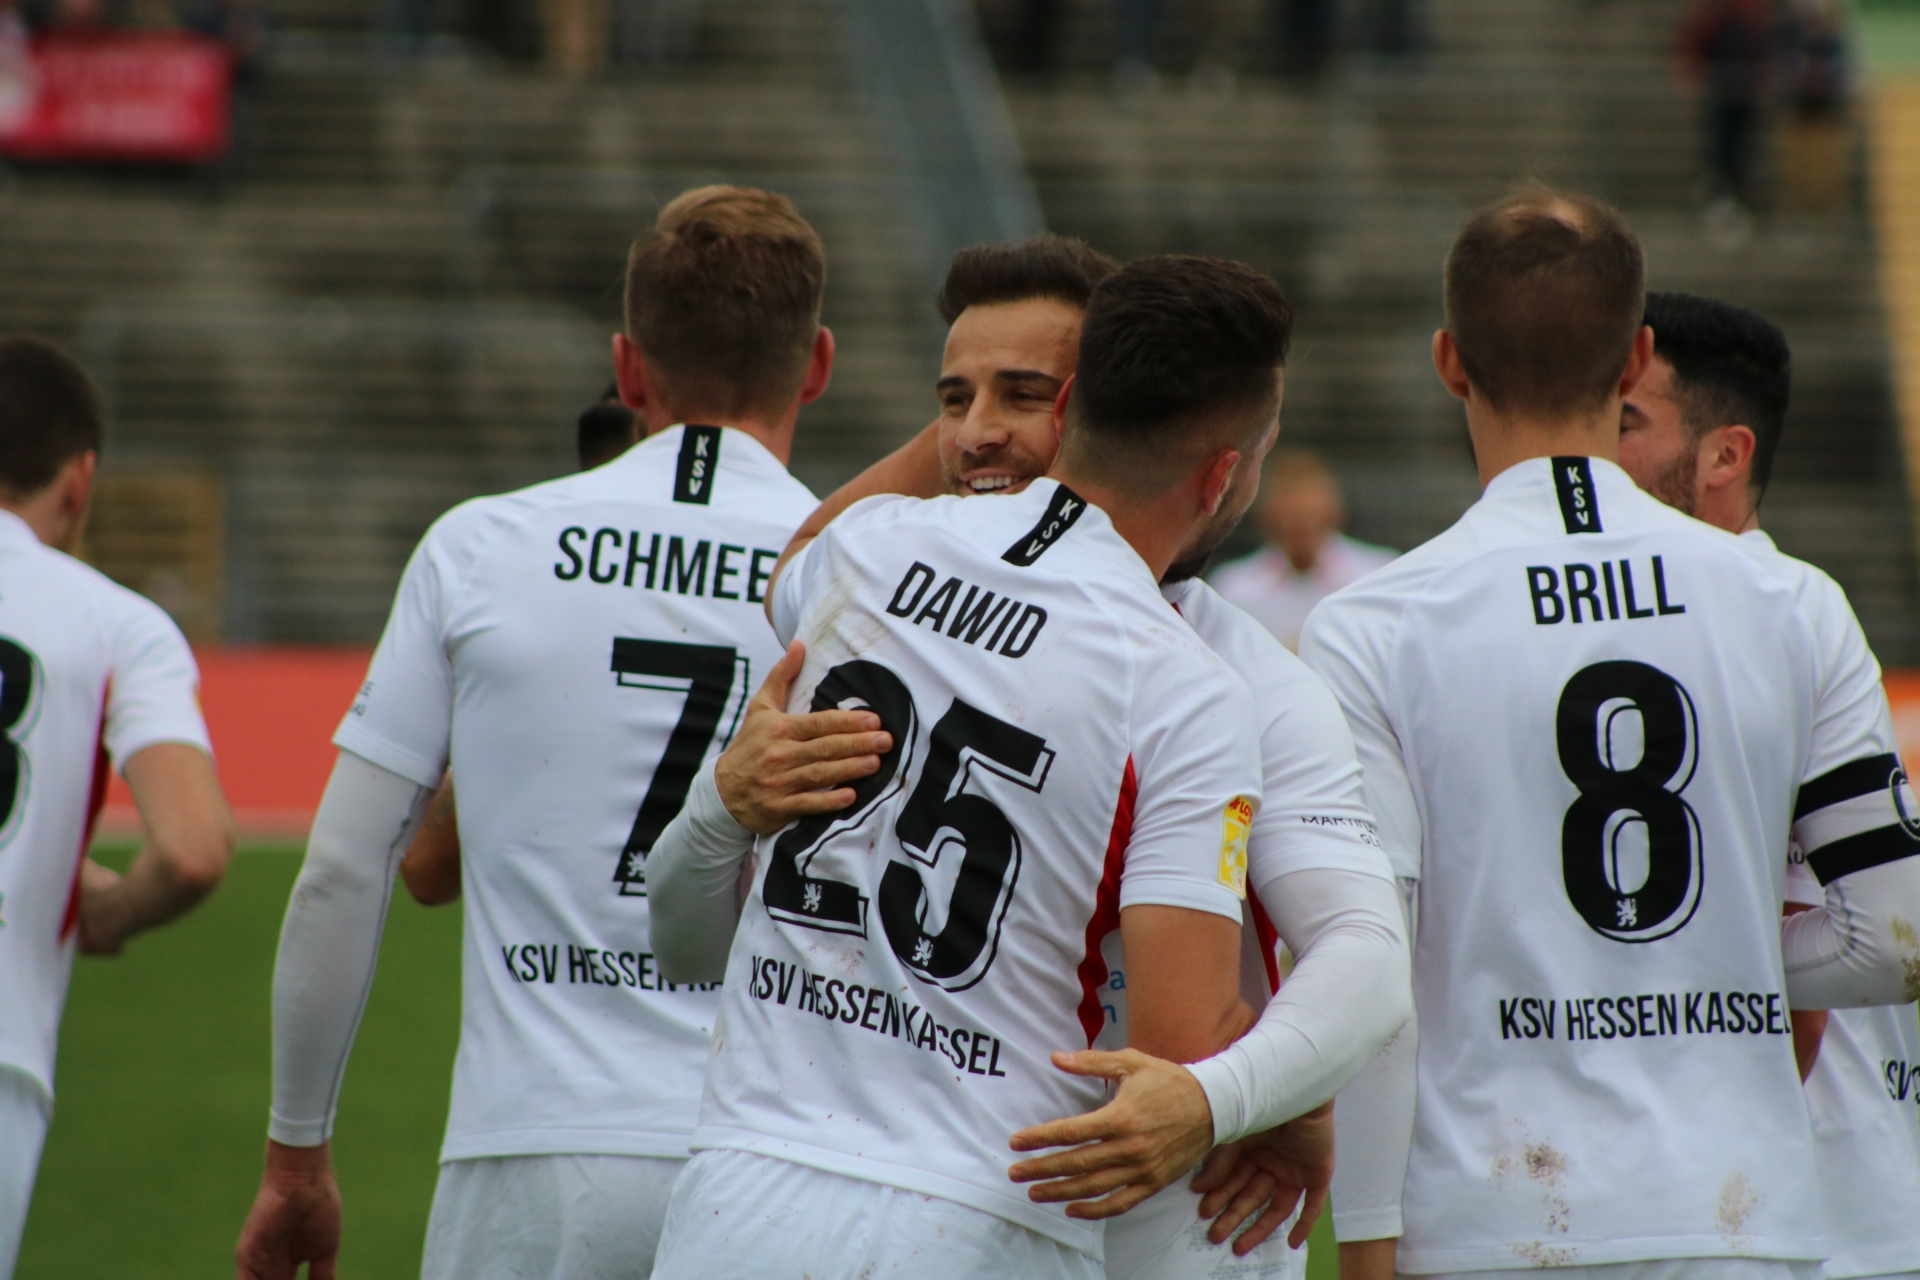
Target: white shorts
1165,1239
1664,1269
24,1112
740,1216
576,1217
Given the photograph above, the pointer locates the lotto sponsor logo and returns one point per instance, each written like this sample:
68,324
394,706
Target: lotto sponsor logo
871,1009
550,964
1645,1017
1235,825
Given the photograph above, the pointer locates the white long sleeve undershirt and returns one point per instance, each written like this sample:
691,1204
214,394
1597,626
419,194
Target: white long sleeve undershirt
330,940
1349,992
1859,947
693,878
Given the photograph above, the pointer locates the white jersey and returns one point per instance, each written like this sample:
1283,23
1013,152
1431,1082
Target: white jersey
89,672
1863,1093
578,650
1279,597
1583,719
1065,747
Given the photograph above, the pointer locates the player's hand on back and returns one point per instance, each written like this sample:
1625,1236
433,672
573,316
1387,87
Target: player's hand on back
1158,1126
295,1217
781,767
1269,1173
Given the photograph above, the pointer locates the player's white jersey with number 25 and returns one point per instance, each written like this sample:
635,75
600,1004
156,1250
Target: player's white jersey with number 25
1065,747
580,647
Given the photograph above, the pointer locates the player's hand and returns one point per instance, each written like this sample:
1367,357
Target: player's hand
295,1217
1158,1126
98,936
1269,1172
781,767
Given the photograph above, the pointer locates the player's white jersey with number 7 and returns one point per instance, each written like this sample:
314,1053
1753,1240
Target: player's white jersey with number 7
1065,747
578,649
1583,719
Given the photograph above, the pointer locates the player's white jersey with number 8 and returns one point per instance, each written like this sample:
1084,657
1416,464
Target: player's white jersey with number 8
1064,747
1583,719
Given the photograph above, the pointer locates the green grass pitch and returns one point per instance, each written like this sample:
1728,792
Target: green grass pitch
163,1088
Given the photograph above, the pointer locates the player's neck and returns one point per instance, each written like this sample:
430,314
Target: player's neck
775,431
1157,528
1502,440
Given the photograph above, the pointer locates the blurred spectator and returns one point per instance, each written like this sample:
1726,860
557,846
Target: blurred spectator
1307,29
574,36
1037,37
606,430
1136,24
1725,46
1306,557
1816,137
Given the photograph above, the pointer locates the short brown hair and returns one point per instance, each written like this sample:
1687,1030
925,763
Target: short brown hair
1544,293
723,296
49,413
1061,268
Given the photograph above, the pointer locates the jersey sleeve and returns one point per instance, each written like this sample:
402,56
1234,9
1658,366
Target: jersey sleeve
153,693
1347,642
1855,808
1314,815
403,714
1196,769
790,590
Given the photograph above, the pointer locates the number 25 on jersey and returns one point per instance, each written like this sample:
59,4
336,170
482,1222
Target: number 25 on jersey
938,815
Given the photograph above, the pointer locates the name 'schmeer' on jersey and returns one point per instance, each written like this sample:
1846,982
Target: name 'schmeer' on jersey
578,650
1064,747
1583,720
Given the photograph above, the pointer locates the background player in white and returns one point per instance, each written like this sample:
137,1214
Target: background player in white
1014,312
576,649
1091,766
1306,557
1700,433
89,673
1592,785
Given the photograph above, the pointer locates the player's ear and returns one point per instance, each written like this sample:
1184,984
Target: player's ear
630,375
1446,363
1726,456
819,366
1639,360
1060,410
1216,479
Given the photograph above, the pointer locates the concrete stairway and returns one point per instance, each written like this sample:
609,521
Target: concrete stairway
406,297
1350,189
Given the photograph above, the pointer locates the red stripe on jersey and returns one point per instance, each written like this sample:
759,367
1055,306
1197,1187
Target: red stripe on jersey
1106,908
1268,935
96,800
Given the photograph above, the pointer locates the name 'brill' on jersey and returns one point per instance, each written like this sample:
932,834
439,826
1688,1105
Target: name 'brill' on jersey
578,650
1064,747
1583,719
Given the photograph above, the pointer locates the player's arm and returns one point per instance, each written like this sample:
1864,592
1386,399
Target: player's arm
328,947
912,470
189,839
431,868
778,768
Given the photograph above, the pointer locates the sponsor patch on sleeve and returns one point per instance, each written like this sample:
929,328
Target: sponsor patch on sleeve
1235,824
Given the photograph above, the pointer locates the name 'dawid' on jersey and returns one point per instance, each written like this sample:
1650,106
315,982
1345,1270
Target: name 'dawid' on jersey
1010,626
1608,592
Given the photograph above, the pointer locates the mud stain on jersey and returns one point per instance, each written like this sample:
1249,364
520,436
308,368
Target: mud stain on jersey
1546,1167
1738,1200
1541,1255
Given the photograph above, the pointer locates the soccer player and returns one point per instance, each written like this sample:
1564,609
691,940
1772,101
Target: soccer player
1306,557
577,649
1582,718
89,672
1067,760
1015,312
1700,433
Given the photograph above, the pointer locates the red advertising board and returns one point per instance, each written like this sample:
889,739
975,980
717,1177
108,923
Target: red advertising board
152,96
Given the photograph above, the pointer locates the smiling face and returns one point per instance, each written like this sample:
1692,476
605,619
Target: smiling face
1003,368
